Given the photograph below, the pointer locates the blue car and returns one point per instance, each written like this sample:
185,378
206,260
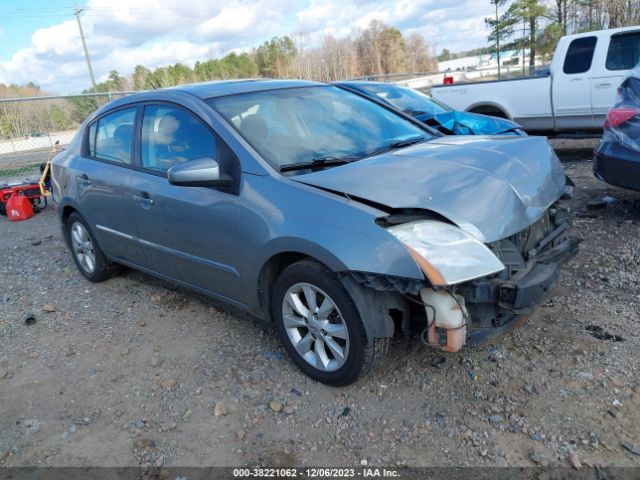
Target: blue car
432,112
617,158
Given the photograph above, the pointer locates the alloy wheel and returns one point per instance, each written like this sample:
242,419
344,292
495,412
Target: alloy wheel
315,327
83,247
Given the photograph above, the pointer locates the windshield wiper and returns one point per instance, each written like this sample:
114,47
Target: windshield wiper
319,162
395,145
331,161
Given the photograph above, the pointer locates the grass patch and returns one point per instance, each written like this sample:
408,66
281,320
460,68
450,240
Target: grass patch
19,170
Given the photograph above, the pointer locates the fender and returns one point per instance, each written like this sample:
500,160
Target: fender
304,247
257,302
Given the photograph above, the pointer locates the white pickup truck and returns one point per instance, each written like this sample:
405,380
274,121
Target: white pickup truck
574,97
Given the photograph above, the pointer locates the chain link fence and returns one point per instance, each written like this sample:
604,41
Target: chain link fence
30,127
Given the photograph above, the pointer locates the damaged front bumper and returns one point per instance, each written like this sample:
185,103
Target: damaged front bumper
473,311
495,304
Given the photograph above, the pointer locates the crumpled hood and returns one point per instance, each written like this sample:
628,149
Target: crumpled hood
492,187
467,123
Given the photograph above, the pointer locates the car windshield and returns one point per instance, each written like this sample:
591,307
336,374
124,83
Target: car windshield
319,124
408,100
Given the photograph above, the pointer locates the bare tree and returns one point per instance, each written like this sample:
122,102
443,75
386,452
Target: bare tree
369,48
419,58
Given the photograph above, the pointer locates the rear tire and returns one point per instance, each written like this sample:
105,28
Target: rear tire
86,252
320,326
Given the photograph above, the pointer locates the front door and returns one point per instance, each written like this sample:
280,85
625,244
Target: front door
187,233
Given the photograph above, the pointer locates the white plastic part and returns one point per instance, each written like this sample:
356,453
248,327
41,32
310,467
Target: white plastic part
448,330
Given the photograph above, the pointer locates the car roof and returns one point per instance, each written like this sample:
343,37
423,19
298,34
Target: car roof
231,87
604,32
207,90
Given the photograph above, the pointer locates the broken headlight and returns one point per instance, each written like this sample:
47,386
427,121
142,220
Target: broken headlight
445,253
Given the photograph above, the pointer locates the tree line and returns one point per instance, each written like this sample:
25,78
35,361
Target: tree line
538,25
377,49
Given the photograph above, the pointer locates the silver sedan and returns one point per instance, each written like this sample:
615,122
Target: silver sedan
336,219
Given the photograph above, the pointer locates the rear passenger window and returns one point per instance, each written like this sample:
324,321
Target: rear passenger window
111,136
579,55
624,51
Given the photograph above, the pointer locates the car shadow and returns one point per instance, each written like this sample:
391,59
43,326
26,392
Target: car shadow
184,293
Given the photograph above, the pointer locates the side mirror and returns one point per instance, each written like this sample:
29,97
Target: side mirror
204,172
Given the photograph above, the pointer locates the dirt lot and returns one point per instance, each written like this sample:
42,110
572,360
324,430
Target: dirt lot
134,371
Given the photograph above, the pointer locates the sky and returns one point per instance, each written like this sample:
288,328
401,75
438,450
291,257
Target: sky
40,40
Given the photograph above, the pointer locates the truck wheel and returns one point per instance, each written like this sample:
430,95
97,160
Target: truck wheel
86,252
319,324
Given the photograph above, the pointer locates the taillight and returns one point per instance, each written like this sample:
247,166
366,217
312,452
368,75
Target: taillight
617,116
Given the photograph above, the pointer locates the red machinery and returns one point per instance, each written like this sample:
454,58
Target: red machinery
21,201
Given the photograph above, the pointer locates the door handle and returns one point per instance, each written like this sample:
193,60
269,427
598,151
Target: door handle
576,80
83,180
603,85
144,199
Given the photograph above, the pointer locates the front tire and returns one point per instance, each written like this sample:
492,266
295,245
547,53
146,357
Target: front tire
319,324
86,252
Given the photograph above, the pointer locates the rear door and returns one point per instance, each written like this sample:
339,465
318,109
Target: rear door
621,53
105,184
572,86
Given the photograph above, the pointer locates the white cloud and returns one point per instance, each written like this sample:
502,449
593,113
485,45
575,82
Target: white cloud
229,21
123,33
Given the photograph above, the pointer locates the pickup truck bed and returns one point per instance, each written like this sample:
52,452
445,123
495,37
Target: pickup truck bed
528,98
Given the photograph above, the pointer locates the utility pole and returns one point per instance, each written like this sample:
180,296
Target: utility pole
77,12
524,32
497,38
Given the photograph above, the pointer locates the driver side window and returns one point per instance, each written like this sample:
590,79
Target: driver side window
171,136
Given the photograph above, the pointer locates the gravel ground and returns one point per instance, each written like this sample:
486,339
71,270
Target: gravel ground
134,371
